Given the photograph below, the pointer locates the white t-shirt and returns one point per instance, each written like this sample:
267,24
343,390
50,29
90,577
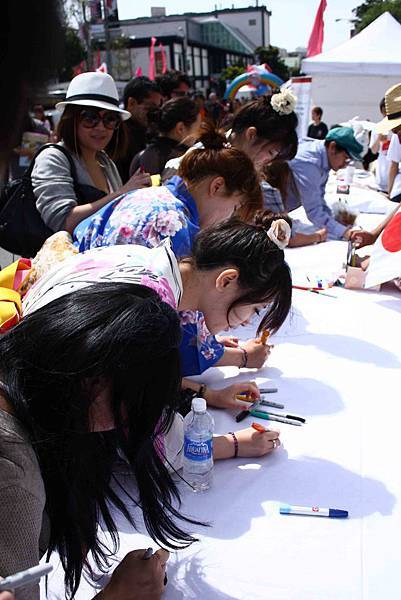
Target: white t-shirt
383,164
394,155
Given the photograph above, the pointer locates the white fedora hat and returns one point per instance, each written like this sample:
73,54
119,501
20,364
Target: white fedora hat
93,89
392,100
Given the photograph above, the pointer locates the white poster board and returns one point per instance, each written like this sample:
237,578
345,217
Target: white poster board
301,86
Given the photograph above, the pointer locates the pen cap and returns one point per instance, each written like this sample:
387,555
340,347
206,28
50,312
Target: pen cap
199,405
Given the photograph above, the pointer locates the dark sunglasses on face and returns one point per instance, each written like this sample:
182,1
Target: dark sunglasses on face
92,118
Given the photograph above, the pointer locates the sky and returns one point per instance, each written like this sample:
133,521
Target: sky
290,24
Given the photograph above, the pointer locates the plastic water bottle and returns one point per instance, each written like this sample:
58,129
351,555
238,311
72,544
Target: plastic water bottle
198,446
349,174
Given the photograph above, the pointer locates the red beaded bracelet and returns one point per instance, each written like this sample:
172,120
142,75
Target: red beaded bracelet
235,443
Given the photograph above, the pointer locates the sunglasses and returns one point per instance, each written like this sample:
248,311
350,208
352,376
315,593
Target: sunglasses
92,118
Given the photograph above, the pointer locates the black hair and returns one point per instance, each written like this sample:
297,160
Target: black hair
382,104
338,147
140,88
217,158
279,175
66,131
122,334
170,81
318,110
172,112
270,125
39,25
264,275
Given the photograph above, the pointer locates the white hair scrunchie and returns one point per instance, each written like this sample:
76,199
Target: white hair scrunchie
279,233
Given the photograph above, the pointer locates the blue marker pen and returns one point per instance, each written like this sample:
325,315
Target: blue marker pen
315,511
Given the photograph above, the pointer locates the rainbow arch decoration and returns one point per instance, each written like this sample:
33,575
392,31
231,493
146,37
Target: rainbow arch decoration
254,78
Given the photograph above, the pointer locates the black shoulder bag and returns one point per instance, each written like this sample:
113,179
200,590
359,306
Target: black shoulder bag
22,230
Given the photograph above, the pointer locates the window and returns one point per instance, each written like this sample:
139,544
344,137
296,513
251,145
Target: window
252,22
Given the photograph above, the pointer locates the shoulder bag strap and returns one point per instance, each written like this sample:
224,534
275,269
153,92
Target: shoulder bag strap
66,153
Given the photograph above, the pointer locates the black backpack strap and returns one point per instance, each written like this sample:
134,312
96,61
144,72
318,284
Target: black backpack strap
66,153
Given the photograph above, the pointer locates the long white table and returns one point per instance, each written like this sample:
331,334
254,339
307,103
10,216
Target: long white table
337,362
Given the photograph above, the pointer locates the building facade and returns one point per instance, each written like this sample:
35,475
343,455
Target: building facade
201,44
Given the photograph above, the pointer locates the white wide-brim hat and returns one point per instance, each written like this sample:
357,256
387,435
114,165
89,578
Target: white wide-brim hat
94,89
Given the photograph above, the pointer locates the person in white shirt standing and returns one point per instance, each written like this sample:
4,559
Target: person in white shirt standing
379,144
394,174
392,123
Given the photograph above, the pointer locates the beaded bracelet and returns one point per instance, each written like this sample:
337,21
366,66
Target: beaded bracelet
244,358
235,443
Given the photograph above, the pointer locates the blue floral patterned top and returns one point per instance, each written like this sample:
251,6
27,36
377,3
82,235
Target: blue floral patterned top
199,349
145,217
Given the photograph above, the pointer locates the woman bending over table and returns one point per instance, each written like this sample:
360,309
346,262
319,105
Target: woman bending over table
235,271
277,181
89,379
213,183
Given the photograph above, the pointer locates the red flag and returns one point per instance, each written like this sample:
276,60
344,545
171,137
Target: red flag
152,59
385,258
164,58
138,72
315,43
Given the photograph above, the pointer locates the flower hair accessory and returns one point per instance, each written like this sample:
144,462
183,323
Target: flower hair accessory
279,233
284,102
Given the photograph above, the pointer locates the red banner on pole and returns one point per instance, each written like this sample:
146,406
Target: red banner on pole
152,59
315,43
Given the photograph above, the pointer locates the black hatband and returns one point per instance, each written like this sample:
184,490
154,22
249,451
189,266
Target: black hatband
98,97
396,115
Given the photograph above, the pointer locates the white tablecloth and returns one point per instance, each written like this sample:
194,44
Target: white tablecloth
337,362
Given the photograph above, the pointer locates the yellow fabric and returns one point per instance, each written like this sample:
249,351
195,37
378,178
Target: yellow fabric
156,180
11,281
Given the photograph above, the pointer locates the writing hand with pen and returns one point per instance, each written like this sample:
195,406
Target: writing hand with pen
138,576
228,397
258,351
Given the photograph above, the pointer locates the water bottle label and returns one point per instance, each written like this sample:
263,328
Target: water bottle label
198,450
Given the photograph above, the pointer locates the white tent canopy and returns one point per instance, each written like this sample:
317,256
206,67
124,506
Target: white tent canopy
374,51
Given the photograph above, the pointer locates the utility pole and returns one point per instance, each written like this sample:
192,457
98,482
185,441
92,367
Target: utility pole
183,32
107,37
87,36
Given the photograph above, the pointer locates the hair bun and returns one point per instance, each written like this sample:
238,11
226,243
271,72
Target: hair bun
211,137
265,218
277,227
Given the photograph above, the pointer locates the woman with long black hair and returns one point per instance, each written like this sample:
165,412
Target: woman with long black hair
89,378
78,386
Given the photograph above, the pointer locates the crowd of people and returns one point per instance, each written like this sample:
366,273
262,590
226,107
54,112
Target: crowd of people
169,231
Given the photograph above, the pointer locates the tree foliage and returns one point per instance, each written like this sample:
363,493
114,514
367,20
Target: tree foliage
371,9
230,73
271,56
74,54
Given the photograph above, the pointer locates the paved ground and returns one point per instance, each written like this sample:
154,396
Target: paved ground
6,258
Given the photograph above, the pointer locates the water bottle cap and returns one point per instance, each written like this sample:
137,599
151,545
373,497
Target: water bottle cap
199,405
